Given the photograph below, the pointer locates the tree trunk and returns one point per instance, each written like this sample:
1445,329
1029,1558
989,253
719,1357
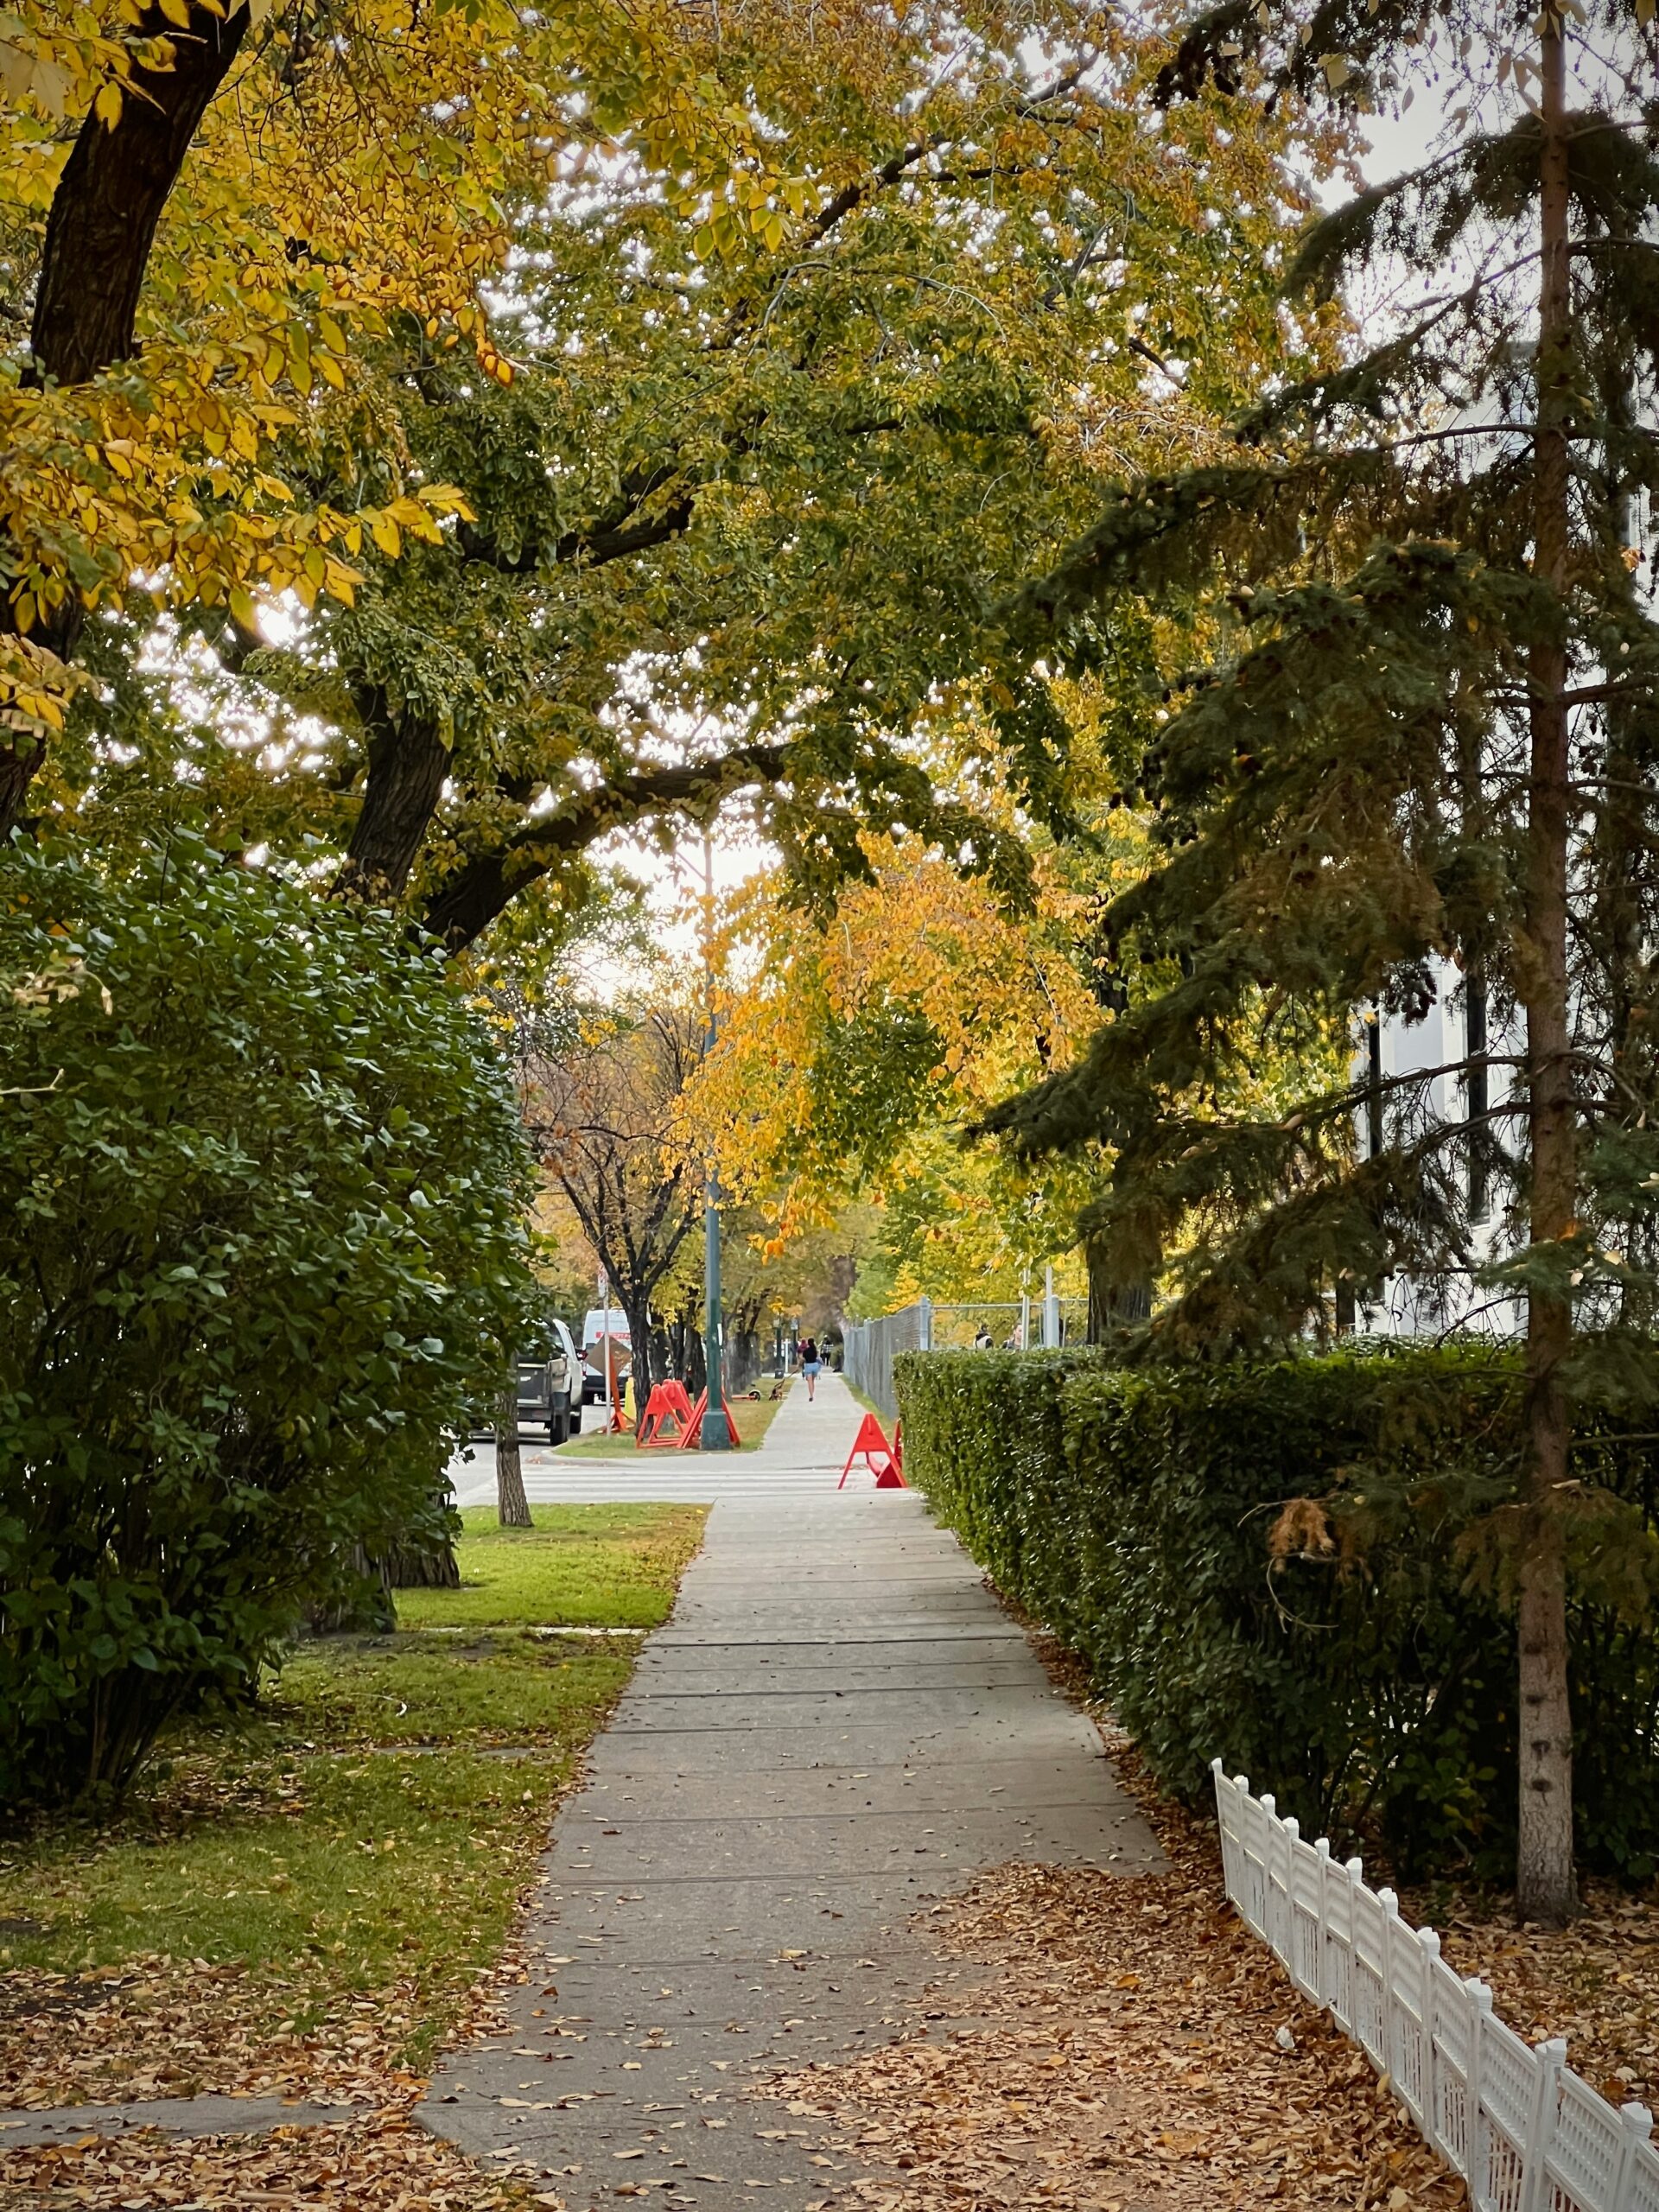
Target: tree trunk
111,194
1112,1308
639,1368
99,231
1546,1891
511,1506
408,762
693,1371
421,1567
746,1361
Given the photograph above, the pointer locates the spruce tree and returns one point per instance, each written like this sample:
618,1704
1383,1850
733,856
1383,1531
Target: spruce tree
1427,735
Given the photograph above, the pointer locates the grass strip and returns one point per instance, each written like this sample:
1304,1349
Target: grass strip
303,1901
579,1566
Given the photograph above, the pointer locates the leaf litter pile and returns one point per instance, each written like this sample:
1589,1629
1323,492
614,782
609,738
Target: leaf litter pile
1112,2043
386,2164
1091,2043
164,2027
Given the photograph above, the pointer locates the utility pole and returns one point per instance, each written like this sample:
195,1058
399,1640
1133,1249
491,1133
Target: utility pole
716,1434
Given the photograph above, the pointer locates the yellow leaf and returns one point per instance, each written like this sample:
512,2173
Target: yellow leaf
387,536
107,106
242,607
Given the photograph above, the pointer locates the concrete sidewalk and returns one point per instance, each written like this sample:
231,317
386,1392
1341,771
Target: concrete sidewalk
838,1725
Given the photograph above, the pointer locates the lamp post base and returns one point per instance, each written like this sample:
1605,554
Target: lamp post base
716,1434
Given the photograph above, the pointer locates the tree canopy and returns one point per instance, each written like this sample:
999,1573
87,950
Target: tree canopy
208,212
750,505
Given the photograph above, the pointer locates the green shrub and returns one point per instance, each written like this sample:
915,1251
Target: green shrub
1358,1659
261,1189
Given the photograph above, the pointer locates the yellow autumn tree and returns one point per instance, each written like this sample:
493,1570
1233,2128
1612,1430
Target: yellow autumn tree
854,1058
206,208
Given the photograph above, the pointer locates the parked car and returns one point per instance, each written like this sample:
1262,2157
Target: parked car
593,1329
550,1385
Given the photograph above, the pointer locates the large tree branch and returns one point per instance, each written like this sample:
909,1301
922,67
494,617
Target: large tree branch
625,530
898,166
110,197
99,231
468,901
409,759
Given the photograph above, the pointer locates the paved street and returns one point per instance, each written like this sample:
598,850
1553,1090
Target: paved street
837,1725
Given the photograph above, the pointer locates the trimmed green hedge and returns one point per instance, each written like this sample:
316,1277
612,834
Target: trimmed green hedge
1139,1514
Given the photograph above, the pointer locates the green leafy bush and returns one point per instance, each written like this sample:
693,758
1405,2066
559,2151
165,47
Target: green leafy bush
261,1194
1300,1566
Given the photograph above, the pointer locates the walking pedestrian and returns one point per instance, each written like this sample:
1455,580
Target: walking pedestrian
810,1366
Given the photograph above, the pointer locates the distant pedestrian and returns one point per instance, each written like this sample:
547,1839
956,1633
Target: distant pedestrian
810,1366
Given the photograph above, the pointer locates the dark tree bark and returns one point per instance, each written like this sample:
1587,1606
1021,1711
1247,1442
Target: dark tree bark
467,900
639,1366
1545,1887
108,199
99,231
408,762
421,1567
1111,1308
511,1506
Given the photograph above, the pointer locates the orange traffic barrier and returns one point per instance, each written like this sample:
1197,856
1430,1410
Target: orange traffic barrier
871,1441
667,1403
693,1436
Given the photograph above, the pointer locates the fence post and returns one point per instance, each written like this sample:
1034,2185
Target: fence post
1390,1905
1550,2058
924,1326
1480,1999
1638,2127
1322,1845
1431,2124
1288,1911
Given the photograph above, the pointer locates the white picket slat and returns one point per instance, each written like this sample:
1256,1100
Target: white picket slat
1524,2130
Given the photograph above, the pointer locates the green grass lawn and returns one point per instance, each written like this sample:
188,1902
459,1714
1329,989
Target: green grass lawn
360,1836
754,1416
609,1566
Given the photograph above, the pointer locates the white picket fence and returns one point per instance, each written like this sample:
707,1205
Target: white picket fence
1518,2125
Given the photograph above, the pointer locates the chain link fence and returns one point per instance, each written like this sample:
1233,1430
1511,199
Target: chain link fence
1011,1324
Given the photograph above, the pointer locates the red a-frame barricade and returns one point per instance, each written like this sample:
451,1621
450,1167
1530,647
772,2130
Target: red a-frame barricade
882,1458
693,1436
668,1402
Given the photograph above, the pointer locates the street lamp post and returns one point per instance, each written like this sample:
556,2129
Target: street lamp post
716,1429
